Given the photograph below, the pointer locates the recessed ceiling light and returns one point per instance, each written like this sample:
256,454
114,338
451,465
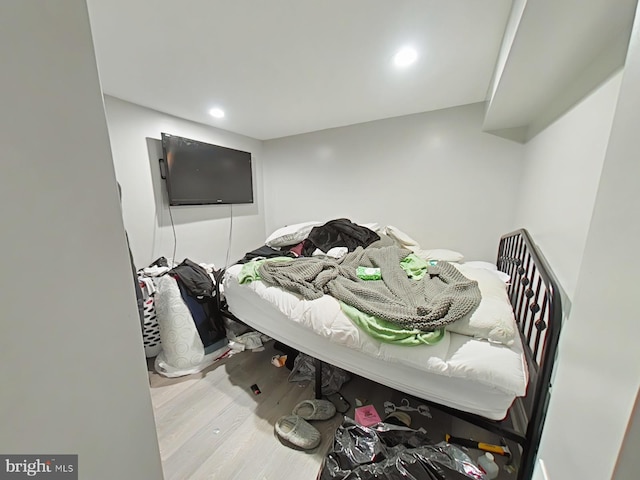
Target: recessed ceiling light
405,57
216,112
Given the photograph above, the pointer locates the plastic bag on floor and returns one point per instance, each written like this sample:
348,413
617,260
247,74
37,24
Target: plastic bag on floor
332,377
390,452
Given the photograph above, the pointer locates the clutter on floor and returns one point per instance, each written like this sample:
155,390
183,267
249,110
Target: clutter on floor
332,377
487,463
398,418
393,452
182,326
279,360
252,341
367,415
487,447
296,430
341,403
405,406
383,449
316,409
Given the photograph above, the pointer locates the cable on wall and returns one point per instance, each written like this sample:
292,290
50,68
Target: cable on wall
175,239
226,263
163,175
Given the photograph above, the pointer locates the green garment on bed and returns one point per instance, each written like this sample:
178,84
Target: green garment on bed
415,266
388,332
368,273
249,271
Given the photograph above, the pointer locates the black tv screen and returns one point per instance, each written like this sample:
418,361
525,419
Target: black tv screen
199,173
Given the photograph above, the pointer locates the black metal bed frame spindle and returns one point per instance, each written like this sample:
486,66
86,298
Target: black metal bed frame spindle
519,255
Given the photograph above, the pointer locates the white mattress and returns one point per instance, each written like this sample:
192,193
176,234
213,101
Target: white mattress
461,372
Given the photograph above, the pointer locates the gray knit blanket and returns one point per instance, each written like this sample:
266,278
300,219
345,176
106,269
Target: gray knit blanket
441,297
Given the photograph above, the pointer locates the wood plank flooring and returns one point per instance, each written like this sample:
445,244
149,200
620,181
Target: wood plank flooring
212,426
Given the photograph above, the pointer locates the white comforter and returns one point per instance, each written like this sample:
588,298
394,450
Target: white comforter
494,365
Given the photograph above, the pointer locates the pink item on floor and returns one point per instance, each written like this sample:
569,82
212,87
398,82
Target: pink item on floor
367,416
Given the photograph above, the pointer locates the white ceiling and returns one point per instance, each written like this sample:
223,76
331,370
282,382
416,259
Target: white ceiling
283,67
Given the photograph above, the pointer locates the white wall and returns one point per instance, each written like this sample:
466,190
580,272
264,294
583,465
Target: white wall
434,175
598,370
562,167
628,464
72,369
202,230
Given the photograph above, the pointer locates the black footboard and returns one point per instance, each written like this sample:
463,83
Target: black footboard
536,302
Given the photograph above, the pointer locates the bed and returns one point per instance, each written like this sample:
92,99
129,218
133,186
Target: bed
500,386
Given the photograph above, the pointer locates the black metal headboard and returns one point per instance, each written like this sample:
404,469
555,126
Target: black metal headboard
535,297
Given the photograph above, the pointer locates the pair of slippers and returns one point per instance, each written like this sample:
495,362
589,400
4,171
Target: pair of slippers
296,430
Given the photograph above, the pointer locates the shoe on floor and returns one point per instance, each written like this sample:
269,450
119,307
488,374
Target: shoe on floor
315,409
297,431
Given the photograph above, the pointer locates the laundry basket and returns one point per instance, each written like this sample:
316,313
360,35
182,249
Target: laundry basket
151,330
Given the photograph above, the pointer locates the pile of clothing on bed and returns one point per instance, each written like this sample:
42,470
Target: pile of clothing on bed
385,283
334,239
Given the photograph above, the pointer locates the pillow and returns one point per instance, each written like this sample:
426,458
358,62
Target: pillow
409,243
402,238
491,267
440,254
480,264
493,320
291,234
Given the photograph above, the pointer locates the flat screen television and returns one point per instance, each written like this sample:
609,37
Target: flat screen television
199,173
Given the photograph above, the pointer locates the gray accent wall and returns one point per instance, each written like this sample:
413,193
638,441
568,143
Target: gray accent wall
435,176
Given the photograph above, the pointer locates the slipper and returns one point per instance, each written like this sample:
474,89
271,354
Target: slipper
315,409
298,432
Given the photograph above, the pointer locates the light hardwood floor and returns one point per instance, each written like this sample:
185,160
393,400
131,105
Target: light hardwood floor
212,426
